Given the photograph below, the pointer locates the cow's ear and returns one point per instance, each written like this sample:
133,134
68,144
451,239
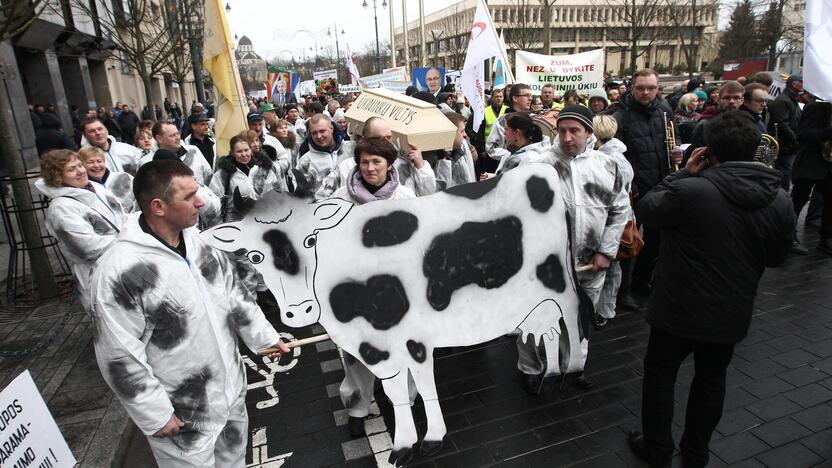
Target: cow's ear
330,212
227,237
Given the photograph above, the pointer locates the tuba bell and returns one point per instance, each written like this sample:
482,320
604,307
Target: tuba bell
767,150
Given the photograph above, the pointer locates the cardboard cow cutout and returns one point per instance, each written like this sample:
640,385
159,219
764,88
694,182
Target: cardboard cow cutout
393,280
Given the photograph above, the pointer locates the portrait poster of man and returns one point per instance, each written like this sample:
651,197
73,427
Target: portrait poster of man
280,85
429,79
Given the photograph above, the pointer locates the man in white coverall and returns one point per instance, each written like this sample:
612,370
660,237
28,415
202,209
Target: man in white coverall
167,312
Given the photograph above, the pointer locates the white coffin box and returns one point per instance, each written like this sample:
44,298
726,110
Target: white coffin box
413,121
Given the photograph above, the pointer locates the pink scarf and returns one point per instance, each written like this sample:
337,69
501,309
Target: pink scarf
359,193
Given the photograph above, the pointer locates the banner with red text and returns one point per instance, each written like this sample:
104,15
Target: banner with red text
582,72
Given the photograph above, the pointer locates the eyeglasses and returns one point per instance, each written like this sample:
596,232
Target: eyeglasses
731,98
524,95
760,100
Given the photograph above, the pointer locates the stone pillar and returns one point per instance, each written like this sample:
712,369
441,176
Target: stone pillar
77,82
12,86
101,84
45,84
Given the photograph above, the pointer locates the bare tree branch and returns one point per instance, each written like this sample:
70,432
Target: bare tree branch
17,15
633,25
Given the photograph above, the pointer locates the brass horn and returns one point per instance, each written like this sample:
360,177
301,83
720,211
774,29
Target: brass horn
767,151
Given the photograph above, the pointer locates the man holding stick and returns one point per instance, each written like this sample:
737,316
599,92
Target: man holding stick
166,315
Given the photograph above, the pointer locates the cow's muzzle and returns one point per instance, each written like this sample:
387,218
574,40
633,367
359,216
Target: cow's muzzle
302,314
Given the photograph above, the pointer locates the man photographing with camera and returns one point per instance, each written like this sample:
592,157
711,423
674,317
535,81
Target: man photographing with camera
724,219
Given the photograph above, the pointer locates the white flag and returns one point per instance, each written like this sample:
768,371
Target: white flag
482,46
351,68
504,55
817,64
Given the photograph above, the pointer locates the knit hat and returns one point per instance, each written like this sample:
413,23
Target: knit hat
694,84
579,113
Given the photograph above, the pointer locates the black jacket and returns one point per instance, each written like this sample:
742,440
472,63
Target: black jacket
785,112
642,129
813,131
719,232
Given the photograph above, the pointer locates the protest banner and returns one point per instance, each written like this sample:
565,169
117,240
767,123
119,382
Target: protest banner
582,72
344,89
395,86
306,87
28,434
412,121
389,74
326,81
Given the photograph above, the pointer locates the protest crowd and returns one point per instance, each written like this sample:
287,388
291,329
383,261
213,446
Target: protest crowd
673,212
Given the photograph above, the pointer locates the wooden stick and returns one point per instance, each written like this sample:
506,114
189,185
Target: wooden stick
296,343
581,268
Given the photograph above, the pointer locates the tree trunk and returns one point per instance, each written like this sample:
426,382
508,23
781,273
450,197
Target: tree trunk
43,278
148,95
183,97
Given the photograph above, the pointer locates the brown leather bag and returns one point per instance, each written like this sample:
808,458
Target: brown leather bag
631,241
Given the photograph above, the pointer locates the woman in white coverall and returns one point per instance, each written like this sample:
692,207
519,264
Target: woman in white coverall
83,216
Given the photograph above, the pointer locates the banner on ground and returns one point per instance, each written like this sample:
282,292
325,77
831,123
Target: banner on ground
582,72
28,434
389,74
817,64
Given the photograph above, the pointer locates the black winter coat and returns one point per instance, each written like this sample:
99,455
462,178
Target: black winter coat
785,112
642,129
719,232
813,131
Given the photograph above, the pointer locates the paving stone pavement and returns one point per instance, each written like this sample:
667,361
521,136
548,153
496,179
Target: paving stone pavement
778,409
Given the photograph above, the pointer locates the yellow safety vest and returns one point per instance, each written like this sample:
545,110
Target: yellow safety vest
490,118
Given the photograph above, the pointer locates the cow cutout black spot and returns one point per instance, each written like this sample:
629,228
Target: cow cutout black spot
190,404
169,325
417,351
541,196
474,190
395,228
370,354
382,301
550,273
486,254
284,256
134,282
124,383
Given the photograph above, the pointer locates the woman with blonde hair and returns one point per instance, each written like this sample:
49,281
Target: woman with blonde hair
605,128
84,217
686,109
119,184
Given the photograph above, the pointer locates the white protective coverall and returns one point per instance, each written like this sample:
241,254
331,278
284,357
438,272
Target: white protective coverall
421,181
284,156
456,169
316,165
120,184
532,151
121,157
85,224
598,209
165,331
193,158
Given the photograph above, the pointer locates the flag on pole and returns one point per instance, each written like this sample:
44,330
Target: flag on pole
817,65
351,67
504,59
219,62
482,46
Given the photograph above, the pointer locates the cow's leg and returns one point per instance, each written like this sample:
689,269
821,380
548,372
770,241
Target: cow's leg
405,434
425,383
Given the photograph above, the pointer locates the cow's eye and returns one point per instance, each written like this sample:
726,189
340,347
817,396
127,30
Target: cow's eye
310,241
255,256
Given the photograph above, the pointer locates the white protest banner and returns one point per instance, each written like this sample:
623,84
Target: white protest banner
28,434
325,74
776,89
344,89
582,72
817,65
395,86
306,87
390,74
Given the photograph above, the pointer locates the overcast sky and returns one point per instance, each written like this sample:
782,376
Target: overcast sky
269,23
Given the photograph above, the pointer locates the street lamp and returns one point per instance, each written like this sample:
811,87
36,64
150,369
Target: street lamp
375,17
337,50
228,8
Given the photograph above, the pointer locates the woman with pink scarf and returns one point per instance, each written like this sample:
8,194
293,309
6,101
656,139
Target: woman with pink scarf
376,177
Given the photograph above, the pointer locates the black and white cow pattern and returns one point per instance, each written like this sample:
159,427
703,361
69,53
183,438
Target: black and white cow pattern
392,281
